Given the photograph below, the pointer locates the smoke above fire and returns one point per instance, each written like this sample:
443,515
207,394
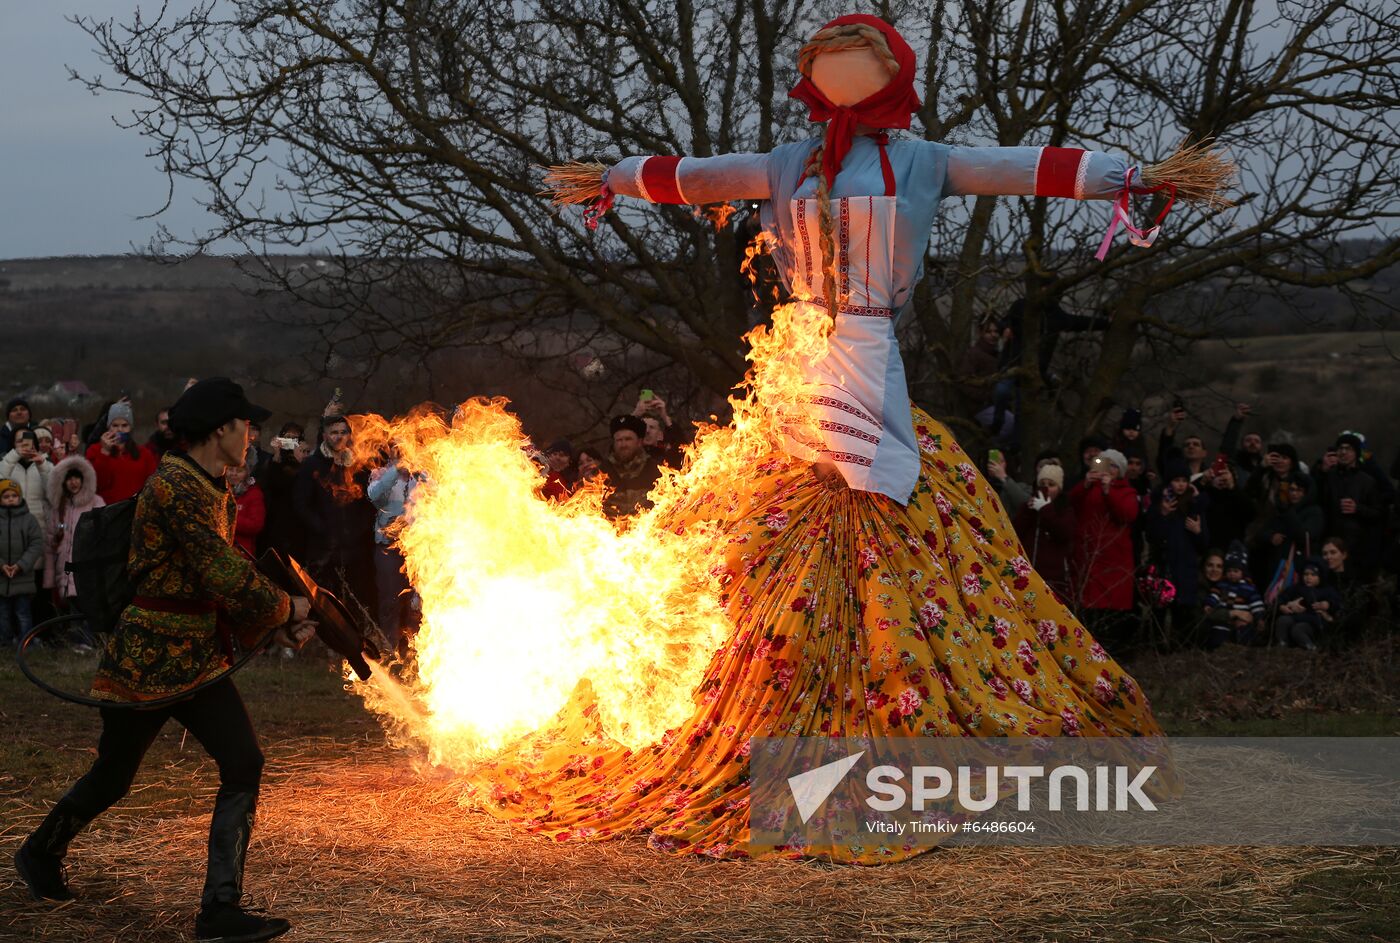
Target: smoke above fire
527,602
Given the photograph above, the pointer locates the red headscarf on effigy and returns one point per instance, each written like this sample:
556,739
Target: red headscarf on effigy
890,107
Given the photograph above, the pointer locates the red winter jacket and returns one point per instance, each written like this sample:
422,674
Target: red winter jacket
120,476
1103,552
252,516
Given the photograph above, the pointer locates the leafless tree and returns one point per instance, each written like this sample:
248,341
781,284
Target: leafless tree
408,136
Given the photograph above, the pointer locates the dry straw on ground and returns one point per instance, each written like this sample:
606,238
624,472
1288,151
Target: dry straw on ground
367,849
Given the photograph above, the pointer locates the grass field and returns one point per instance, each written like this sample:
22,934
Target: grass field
357,843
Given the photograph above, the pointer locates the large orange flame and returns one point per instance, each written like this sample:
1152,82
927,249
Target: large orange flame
525,599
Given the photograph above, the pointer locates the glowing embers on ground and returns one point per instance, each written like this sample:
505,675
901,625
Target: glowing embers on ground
525,599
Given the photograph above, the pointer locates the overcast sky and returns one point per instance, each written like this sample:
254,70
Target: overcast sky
73,183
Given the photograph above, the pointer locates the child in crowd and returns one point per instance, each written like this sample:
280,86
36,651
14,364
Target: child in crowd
72,493
1305,611
1128,438
21,549
560,476
1237,594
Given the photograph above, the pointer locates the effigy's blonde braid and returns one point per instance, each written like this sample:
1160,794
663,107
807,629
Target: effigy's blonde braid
850,36
826,230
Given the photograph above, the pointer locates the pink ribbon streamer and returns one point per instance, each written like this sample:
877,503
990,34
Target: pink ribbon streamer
1122,215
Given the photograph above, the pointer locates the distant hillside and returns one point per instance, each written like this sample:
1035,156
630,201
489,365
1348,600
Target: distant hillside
124,324
127,324
1305,388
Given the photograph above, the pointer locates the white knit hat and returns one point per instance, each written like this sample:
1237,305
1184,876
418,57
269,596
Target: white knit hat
1118,459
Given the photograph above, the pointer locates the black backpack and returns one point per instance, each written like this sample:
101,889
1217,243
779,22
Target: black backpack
101,544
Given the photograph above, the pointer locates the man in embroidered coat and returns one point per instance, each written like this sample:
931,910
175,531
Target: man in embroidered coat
194,592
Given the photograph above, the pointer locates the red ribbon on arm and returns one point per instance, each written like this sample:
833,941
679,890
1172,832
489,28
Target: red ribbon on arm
598,208
1171,198
890,107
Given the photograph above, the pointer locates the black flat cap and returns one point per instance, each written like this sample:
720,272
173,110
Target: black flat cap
212,402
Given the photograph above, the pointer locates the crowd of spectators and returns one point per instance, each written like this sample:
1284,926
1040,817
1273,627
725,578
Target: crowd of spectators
1188,547
303,495
1185,547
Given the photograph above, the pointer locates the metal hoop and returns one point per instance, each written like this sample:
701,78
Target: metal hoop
87,700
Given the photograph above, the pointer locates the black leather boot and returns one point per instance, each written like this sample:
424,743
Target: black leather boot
40,859
222,918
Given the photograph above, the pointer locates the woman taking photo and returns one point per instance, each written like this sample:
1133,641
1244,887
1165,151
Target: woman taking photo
121,464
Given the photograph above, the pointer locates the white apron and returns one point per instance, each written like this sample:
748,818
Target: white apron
860,386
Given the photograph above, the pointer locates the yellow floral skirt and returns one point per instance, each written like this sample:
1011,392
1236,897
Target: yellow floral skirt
853,616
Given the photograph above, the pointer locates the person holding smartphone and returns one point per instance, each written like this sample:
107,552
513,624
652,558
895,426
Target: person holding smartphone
284,531
1179,535
122,465
334,515
1231,511
1105,507
657,441
1192,449
28,465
